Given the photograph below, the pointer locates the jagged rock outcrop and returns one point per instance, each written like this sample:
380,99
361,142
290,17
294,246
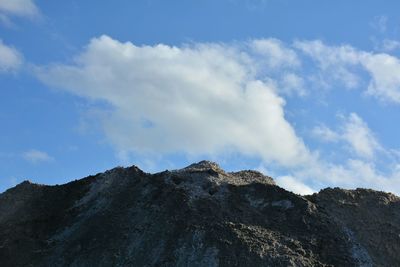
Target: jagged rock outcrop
196,216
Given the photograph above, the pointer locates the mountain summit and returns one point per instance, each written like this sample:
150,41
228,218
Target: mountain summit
196,216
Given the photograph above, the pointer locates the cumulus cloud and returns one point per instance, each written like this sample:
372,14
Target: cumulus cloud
10,58
24,8
201,99
36,156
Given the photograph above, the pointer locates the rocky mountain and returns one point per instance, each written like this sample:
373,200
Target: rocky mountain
196,216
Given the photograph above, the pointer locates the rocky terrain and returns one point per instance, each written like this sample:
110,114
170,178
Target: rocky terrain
196,216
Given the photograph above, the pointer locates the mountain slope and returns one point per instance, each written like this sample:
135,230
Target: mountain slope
196,216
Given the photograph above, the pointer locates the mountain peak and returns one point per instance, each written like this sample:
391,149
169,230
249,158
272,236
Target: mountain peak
204,165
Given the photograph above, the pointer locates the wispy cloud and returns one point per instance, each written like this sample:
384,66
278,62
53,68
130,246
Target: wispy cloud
358,168
23,8
10,58
324,133
17,8
36,156
343,63
353,173
379,23
275,54
389,45
292,84
358,135
354,132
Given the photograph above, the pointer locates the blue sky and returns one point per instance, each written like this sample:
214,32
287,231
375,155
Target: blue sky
305,91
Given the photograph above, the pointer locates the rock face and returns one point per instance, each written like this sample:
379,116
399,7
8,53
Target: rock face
196,216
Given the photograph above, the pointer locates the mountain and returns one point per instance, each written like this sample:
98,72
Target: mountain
196,216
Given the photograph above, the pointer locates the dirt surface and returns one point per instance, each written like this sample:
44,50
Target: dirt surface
196,216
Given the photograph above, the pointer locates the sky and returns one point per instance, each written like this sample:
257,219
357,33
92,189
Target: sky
307,92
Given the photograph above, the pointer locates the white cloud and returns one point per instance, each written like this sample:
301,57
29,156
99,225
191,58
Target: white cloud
202,99
278,62
275,53
292,84
215,99
333,61
295,185
385,73
358,135
327,56
355,132
10,58
359,170
324,133
340,63
356,173
25,8
389,45
351,174
36,156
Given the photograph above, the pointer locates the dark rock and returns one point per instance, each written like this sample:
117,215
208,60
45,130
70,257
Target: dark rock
196,216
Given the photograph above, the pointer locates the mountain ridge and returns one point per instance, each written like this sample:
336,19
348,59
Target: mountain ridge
196,216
